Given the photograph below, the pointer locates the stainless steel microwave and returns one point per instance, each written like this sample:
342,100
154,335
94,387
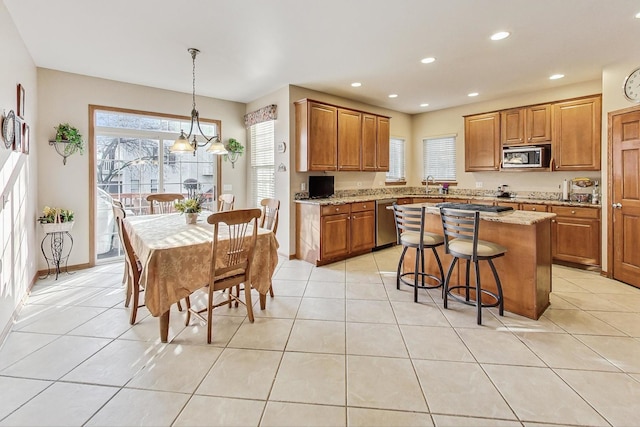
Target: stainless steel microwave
525,157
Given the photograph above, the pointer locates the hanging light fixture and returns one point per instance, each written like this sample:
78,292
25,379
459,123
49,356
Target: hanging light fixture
182,144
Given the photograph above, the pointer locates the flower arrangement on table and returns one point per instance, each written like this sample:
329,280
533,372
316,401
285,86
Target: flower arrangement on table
56,219
191,207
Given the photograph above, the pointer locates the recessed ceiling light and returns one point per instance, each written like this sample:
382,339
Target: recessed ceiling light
500,35
556,76
393,95
356,84
424,105
428,60
638,15
473,94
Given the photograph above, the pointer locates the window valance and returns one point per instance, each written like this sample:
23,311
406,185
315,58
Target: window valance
270,112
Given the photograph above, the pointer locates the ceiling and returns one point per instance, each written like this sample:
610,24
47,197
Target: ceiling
250,48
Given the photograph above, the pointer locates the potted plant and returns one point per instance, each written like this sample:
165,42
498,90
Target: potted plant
56,220
191,207
235,150
71,137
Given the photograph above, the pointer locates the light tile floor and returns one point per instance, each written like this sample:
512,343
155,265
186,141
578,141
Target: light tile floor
338,345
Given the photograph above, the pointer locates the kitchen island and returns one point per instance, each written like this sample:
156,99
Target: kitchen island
525,270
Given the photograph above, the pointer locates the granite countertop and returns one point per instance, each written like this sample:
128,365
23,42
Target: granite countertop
507,217
367,198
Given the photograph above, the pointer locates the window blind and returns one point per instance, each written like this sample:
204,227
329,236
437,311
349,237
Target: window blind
396,160
262,162
439,158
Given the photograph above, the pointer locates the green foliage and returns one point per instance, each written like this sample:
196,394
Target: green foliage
192,205
233,146
71,136
49,215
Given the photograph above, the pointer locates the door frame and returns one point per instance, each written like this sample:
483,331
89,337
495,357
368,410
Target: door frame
609,272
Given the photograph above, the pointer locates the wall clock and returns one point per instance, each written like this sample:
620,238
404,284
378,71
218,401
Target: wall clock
631,86
9,129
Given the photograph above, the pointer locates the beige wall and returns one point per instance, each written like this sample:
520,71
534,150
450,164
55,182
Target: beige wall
65,97
282,178
18,177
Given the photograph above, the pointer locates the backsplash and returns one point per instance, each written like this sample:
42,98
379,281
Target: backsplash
416,191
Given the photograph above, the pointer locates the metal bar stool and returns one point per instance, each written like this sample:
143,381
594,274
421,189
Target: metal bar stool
410,234
461,241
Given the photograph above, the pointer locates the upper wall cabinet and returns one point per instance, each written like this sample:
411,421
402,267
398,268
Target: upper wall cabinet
482,142
577,134
333,138
527,125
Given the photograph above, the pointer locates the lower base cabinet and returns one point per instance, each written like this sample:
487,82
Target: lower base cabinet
333,232
575,235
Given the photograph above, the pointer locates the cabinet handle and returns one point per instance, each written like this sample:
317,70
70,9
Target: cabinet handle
337,209
364,206
553,220
533,209
573,212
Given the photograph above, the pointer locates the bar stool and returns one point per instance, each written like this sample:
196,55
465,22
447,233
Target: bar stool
461,241
410,234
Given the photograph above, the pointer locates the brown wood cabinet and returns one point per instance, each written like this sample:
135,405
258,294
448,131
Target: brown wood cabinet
577,134
333,138
527,125
316,137
533,207
482,142
329,233
349,140
576,235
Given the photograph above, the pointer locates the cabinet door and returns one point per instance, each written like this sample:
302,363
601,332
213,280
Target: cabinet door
349,140
383,144
334,239
482,142
322,138
369,142
363,230
538,128
576,137
576,240
512,123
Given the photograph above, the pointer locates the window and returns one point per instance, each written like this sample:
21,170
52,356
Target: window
396,161
439,158
262,161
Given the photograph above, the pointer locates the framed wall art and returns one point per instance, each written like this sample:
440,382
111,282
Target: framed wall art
21,100
25,138
17,142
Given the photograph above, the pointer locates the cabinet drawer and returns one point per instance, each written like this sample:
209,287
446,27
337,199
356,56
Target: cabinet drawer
533,207
570,211
363,206
405,201
336,209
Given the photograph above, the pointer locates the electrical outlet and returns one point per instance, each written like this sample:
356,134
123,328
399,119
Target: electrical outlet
479,184
303,186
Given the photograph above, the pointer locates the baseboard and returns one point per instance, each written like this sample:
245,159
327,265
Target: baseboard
64,269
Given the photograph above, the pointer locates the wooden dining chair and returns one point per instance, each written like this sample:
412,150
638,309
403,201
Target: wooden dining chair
133,267
160,203
119,213
226,202
269,219
234,240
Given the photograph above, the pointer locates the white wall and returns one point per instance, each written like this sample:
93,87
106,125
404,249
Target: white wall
18,177
65,97
282,178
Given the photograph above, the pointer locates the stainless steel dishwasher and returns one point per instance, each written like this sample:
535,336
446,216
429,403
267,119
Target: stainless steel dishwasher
385,223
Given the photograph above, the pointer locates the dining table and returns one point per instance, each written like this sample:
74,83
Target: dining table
176,257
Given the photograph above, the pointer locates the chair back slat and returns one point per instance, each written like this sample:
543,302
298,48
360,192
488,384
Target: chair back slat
226,202
241,227
269,219
462,225
130,256
408,219
161,203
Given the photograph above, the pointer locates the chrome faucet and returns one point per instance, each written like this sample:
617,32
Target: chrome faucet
433,181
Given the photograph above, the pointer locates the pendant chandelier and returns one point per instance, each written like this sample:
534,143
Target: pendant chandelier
182,144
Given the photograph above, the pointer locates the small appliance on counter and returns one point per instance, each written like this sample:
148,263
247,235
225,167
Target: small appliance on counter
581,190
321,186
502,191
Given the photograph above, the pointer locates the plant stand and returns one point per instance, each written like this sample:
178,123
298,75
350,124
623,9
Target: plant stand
56,255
